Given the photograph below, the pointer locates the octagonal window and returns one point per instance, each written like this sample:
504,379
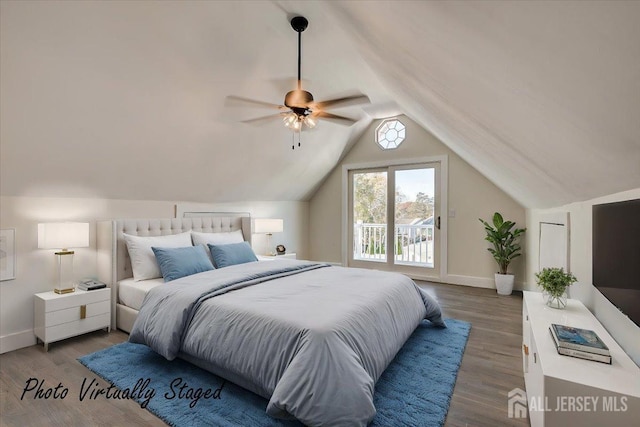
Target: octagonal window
390,134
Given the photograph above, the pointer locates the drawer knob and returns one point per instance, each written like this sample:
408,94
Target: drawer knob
83,311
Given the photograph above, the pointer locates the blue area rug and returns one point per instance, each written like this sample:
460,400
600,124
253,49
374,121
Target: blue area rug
414,390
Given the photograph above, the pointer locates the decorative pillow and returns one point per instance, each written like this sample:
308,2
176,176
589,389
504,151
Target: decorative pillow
226,238
232,254
179,262
143,261
217,238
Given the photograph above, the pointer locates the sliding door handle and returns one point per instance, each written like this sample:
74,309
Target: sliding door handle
438,223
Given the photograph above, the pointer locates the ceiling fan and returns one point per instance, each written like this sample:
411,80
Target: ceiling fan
300,110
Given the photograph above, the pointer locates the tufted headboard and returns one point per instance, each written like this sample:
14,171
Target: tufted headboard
113,259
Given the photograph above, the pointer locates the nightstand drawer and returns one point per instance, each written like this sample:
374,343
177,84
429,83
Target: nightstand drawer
71,329
67,315
75,299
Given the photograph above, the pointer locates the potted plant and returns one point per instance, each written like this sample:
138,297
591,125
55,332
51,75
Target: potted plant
504,239
554,283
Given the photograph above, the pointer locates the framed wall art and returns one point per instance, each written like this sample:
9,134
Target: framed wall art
7,254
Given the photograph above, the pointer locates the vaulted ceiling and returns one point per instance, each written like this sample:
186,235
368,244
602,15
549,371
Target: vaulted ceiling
127,99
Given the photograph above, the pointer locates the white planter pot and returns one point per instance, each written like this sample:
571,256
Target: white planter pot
504,283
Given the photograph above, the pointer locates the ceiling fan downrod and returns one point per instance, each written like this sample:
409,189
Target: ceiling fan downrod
299,24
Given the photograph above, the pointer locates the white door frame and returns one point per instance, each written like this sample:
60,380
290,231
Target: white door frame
443,160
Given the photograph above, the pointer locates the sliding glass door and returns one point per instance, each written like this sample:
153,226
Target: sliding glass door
394,218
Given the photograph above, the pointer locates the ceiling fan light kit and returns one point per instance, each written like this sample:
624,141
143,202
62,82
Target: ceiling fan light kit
299,109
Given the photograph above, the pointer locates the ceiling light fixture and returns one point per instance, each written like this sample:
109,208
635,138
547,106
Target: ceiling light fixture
299,110
295,121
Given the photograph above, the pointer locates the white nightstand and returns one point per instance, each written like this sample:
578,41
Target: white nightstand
272,257
60,316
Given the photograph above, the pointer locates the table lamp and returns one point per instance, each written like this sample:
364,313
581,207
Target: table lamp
268,227
64,235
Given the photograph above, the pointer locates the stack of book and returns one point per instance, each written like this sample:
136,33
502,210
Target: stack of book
91,285
582,343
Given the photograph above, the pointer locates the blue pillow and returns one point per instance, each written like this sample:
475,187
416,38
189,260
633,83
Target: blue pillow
175,263
231,254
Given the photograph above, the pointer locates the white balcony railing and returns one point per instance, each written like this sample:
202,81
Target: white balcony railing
413,243
369,241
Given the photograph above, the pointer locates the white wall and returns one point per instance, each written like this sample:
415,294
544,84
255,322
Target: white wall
623,330
471,195
36,267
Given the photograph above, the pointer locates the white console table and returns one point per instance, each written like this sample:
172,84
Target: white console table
563,390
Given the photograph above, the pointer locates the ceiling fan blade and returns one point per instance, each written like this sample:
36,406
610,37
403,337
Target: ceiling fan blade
264,119
235,101
342,102
347,121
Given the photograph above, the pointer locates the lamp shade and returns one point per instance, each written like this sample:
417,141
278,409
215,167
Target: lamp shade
63,235
264,225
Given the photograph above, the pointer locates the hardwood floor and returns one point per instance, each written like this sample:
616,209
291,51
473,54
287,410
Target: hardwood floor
492,362
491,367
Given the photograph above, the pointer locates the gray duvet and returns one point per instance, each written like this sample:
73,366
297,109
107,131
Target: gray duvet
311,338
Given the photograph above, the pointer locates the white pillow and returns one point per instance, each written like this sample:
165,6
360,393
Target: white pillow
143,260
217,239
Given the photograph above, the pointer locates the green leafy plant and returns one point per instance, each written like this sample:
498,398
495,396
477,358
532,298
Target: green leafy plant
555,281
504,239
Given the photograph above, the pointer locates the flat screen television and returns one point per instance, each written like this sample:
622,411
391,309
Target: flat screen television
616,255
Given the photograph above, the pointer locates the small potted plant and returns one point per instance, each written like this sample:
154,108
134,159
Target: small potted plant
504,239
554,283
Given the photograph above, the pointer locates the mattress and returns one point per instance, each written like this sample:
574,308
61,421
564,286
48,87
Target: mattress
132,293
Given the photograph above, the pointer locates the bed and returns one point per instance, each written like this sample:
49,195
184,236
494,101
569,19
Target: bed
311,338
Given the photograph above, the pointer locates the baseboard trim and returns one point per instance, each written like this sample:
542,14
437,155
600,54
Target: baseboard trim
16,341
480,282
458,279
472,281
476,282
